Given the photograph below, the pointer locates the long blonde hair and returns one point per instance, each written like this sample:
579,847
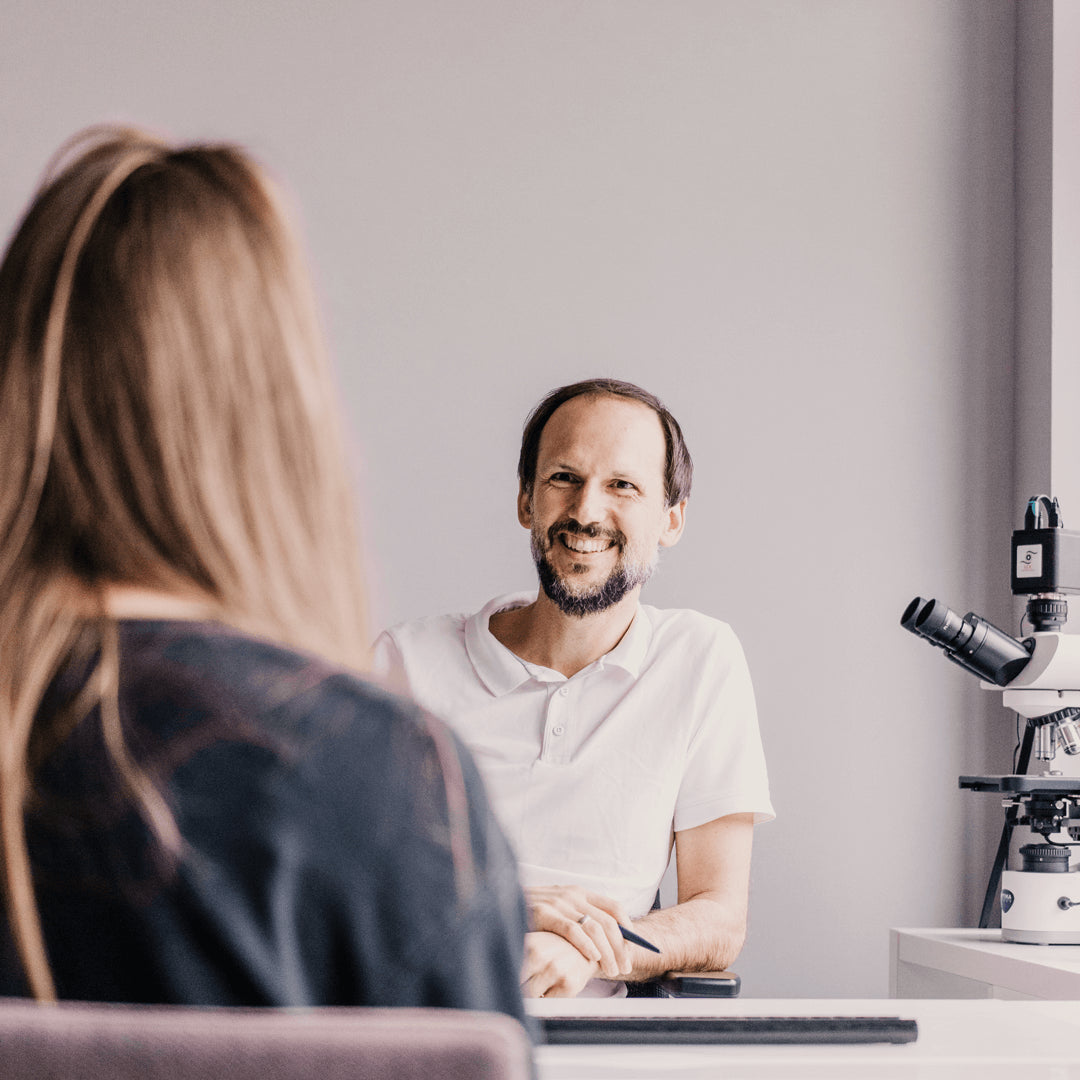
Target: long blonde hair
167,421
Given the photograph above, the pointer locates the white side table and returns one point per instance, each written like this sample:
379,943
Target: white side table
978,964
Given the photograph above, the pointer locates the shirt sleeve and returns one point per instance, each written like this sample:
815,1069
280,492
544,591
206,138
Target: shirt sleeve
725,771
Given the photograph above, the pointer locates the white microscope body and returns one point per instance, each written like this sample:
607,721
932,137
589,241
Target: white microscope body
1040,903
1039,678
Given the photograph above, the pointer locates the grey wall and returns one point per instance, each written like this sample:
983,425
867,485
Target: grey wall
791,219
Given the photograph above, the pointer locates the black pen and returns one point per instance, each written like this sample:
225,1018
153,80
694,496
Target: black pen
637,939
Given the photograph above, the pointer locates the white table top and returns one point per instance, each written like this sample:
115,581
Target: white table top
958,1040
988,942
1044,971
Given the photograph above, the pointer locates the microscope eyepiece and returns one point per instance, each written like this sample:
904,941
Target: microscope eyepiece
943,626
907,620
970,641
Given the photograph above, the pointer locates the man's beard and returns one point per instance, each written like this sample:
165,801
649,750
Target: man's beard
626,576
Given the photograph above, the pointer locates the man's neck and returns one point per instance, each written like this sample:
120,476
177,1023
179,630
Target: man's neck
541,633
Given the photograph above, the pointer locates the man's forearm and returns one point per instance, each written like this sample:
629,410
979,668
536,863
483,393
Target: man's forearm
701,934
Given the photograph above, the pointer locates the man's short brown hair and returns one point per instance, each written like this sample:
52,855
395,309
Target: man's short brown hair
678,468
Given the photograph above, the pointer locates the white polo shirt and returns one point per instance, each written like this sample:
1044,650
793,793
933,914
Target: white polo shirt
591,776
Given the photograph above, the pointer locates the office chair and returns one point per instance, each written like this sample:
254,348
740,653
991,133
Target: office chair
80,1041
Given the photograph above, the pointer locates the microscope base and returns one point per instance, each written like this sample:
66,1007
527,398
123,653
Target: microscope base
1030,914
1038,937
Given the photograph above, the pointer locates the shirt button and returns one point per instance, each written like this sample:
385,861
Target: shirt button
564,691
558,729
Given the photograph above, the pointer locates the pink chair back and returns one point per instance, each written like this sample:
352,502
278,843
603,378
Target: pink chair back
77,1041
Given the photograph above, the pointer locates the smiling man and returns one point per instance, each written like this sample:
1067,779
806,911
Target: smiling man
607,731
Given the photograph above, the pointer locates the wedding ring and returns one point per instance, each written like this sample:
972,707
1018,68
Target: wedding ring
583,920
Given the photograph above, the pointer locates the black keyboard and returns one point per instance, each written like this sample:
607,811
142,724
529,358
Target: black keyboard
560,1030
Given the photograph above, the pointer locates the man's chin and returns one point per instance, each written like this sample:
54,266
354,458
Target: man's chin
579,600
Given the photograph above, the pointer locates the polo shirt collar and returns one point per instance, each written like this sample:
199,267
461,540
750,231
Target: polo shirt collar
501,671
629,654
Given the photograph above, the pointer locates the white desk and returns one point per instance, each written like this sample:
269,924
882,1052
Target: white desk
978,964
958,1040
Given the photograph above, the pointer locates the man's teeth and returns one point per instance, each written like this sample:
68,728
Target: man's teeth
584,545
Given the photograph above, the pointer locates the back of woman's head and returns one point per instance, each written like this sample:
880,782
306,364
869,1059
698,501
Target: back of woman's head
166,416
166,423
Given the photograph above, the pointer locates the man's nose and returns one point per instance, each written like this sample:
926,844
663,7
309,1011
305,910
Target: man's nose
588,504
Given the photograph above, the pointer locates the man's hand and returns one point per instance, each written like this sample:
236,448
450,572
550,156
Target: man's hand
553,967
587,920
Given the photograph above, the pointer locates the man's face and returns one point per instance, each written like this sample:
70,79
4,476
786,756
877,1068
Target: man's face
597,510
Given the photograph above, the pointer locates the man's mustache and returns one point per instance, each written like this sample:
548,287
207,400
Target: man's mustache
592,531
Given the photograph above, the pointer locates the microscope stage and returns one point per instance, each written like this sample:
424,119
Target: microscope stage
1023,785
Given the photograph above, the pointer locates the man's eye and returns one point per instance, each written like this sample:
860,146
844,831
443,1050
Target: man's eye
625,485
561,478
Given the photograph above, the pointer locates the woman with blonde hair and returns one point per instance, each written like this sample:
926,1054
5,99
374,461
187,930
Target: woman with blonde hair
201,800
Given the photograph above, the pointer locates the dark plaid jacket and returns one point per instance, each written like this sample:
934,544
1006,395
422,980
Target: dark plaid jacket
338,848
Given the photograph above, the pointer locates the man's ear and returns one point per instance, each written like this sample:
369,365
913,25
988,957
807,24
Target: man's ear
674,523
524,506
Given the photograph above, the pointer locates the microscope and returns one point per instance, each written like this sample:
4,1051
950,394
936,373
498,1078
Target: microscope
1039,677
